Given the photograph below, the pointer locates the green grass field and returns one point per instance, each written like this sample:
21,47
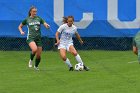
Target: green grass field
110,72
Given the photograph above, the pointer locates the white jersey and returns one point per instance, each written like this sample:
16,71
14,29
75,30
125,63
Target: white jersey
67,33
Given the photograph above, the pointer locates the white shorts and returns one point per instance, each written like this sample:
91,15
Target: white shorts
65,46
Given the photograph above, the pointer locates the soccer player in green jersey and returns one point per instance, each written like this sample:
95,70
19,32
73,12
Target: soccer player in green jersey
136,45
33,23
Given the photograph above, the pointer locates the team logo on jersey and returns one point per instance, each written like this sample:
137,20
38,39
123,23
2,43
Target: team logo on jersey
34,23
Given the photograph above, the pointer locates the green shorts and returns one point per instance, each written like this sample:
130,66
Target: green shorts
37,41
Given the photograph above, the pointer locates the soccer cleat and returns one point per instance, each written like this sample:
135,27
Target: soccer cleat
36,68
71,69
30,63
86,68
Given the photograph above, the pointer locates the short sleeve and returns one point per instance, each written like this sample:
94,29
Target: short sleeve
61,28
24,22
42,21
75,30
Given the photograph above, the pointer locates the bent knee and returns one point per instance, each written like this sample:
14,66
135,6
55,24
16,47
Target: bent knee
63,58
34,50
38,56
74,53
135,52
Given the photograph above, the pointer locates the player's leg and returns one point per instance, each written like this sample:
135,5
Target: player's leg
38,57
33,48
139,55
135,50
65,59
38,53
73,51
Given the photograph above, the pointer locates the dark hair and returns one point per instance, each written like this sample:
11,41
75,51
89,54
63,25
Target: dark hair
70,17
32,7
65,20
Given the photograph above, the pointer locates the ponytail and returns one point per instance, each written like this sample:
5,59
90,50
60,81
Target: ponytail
65,20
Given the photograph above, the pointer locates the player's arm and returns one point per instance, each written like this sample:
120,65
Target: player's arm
42,21
78,37
20,29
60,29
57,38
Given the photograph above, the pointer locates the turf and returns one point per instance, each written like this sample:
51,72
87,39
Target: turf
110,72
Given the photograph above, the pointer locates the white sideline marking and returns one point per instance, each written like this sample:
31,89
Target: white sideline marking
132,61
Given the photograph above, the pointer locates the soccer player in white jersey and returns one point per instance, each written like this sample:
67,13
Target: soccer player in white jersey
65,43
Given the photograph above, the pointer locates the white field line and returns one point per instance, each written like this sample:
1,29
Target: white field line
133,62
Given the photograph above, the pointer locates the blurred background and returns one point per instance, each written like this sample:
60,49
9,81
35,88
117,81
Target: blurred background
98,26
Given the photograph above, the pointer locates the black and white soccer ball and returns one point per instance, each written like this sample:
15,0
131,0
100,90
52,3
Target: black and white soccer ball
79,67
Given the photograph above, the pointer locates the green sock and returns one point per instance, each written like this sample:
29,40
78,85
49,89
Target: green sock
32,56
37,61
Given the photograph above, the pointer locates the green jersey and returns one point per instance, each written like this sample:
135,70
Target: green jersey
33,25
136,41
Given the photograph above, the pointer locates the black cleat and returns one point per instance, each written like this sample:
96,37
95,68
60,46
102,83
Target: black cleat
71,69
86,68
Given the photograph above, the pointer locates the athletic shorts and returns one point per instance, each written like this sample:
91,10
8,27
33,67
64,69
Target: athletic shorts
65,46
37,41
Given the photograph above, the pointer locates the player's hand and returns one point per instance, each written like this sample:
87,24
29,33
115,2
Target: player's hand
57,43
22,33
48,26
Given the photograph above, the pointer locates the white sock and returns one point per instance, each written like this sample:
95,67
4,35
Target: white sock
78,58
68,63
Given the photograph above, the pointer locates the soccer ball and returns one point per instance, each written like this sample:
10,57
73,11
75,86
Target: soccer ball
79,67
